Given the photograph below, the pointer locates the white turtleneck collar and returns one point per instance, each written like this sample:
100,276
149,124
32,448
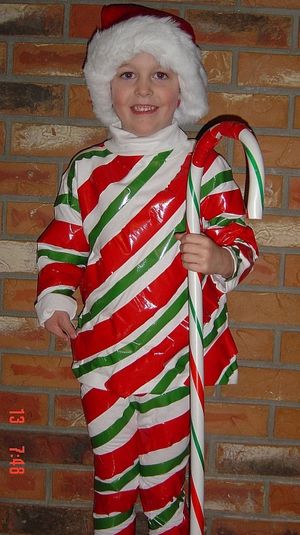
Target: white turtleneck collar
128,144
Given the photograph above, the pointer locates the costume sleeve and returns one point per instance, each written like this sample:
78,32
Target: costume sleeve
62,253
223,220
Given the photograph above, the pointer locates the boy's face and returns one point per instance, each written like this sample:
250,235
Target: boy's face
144,95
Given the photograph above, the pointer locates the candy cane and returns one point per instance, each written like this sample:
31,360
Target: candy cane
235,130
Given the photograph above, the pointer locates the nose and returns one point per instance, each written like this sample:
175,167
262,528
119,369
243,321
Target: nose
143,86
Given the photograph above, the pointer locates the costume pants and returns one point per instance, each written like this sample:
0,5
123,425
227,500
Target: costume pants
141,446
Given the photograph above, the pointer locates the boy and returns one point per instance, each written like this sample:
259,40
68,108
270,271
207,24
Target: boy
119,234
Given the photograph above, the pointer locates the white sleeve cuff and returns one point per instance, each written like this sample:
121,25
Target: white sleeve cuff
50,303
226,285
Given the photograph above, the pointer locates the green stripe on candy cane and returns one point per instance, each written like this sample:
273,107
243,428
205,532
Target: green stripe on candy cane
257,173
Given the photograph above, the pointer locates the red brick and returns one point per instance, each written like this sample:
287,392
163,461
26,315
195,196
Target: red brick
287,423
35,407
258,459
254,344
28,218
19,294
240,29
3,48
289,4
49,448
265,271
30,485
34,519
270,111
246,497
236,419
28,178
240,526
218,65
27,370
22,333
72,486
68,412
268,70
292,271
264,383
48,59
31,99
34,19
84,20
80,104
264,307
290,347
284,499
53,140
294,193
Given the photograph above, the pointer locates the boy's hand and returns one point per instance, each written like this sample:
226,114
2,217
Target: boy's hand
200,253
60,325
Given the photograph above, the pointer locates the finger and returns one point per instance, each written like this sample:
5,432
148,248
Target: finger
179,235
68,328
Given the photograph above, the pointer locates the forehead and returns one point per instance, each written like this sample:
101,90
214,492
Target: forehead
143,59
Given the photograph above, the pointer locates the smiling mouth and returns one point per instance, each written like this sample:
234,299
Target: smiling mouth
143,108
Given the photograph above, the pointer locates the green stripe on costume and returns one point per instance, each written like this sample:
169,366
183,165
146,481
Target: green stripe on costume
213,183
169,377
127,194
114,429
63,257
219,321
119,483
129,279
165,516
112,521
136,344
222,221
164,467
162,401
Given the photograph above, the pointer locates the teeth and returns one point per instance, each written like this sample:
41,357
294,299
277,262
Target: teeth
141,107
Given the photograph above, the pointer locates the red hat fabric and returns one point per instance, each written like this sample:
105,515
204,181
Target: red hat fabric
129,29
115,13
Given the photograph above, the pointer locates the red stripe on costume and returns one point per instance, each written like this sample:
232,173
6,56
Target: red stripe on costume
56,274
132,315
118,502
115,462
218,356
150,365
160,495
129,530
101,177
230,201
95,402
164,435
55,234
131,239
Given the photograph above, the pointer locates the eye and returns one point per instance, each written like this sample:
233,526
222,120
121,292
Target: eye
127,75
160,75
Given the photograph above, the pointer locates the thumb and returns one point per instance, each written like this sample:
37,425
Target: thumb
179,235
68,328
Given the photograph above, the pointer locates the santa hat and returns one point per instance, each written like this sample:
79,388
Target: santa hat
127,30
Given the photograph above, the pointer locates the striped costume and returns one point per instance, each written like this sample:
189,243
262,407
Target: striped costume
119,206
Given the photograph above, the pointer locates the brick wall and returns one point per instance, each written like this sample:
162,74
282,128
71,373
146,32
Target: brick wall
253,430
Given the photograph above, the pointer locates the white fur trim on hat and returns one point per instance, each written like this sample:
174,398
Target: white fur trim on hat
172,48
